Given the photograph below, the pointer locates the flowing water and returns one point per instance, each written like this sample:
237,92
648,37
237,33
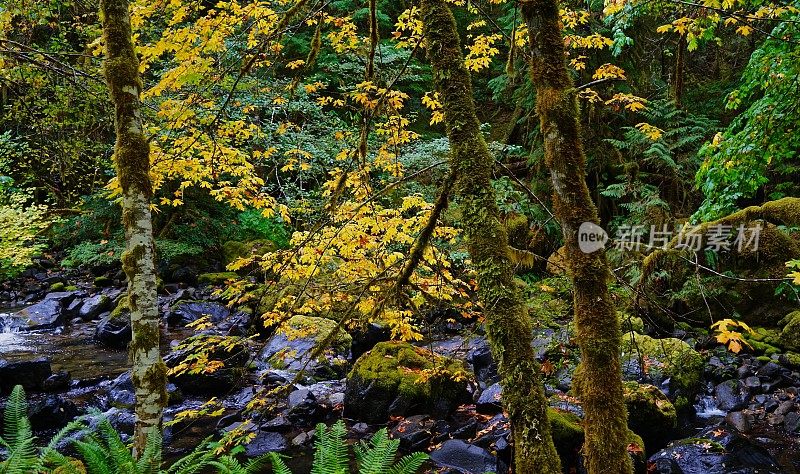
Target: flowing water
71,349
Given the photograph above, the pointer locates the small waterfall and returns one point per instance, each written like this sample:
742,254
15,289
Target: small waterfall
707,407
6,323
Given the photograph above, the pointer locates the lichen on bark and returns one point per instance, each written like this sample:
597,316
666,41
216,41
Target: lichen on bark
132,160
507,321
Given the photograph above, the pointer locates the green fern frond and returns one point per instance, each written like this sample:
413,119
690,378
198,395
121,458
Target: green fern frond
409,464
378,456
150,460
278,466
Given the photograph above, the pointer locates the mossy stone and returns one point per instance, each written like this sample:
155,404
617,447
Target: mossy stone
103,282
397,378
58,286
669,357
234,249
790,335
568,437
650,413
216,279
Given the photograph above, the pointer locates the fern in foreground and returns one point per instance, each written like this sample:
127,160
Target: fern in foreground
374,457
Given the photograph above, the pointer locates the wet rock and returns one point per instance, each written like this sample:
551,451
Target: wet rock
728,396
715,451
414,432
46,314
464,458
739,421
114,329
482,362
57,381
93,306
51,412
291,348
386,381
186,312
31,374
490,400
233,355
791,422
265,442
366,338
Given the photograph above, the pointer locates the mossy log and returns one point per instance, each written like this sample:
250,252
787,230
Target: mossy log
598,380
507,321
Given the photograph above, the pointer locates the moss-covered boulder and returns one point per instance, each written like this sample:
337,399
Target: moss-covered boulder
217,278
646,358
397,378
568,439
669,289
650,414
790,335
233,249
293,344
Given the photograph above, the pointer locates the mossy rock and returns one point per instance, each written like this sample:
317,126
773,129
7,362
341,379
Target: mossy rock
568,437
57,286
790,335
291,347
665,358
216,279
397,378
630,323
103,282
650,414
233,249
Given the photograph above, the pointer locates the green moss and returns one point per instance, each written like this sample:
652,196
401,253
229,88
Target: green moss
630,323
233,249
398,366
70,288
57,286
673,357
566,429
568,436
713,445
216,279
103,282
790,335
793,358
122,309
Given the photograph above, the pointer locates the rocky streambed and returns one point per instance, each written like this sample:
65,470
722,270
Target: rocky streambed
694,407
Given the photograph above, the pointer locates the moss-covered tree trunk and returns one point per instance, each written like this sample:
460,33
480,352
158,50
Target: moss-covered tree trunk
598,381
507,321
132,158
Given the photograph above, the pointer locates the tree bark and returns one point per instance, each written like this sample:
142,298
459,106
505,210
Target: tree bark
598,381
132,159
507,321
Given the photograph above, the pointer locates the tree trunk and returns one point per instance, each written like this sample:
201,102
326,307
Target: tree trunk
507,321
598,381
680,61
131,156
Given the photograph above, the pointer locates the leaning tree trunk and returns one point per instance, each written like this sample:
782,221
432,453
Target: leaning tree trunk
598,381
132,158
507,321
